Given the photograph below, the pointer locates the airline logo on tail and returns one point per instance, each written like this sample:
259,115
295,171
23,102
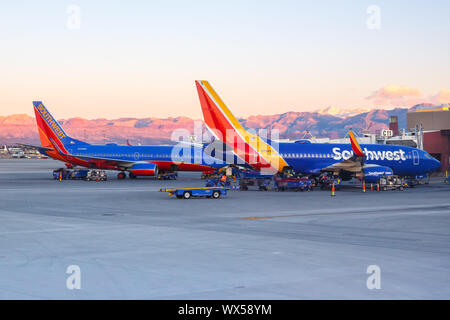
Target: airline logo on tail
50,120
49,130
247,146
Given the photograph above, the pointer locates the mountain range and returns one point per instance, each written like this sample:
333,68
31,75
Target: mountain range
329,122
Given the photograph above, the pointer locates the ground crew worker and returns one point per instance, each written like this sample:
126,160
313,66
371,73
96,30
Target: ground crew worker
223,180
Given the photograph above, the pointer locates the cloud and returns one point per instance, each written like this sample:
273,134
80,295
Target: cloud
396,95
441,97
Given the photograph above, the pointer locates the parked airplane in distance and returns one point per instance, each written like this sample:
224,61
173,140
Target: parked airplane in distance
370,161
136,160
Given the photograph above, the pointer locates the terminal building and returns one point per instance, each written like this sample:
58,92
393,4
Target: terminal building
435,124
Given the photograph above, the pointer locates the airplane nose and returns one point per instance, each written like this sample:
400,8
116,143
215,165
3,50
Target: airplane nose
436,164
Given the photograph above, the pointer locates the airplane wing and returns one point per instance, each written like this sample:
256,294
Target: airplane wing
355,164
42,150
34,147
118,162
350,165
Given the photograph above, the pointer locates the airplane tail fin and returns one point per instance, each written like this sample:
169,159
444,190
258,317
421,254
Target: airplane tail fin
50,132
225,127
355,145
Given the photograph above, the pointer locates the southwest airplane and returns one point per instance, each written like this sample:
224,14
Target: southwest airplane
137,160
370,161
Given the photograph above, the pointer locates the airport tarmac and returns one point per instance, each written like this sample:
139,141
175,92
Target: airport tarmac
132,242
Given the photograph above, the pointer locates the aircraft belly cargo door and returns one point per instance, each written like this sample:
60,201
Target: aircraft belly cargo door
415,157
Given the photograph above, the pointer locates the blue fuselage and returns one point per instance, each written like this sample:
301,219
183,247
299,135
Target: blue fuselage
312,157
308,158
165,157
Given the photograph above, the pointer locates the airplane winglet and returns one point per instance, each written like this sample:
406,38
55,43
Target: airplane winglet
355,145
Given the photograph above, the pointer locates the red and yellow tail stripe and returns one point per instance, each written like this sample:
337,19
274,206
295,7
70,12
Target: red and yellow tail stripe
249,147
355,145
49,128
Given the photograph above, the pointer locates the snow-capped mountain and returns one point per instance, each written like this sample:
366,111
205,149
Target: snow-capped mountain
341,112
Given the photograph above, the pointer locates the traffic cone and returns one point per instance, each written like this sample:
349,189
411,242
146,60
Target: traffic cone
364,186
371,187
378,187
332,190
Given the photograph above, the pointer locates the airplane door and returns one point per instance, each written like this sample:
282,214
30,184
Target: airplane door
415,157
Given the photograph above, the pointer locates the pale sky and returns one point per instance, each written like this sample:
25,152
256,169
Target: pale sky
140,58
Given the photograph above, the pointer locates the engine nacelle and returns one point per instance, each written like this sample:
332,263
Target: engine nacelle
373,174
144,169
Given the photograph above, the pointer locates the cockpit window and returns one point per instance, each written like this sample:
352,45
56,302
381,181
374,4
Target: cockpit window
427,155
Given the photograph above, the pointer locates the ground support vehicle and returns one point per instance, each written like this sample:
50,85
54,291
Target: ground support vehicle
249,179
327,182
167,176
96,175
79,174
209,174
293,183
391,183
62,174
214,182
188,193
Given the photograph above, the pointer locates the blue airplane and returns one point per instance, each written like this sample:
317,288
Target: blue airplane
370,161
136,160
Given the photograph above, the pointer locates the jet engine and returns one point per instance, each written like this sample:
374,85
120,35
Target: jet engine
144,169
373,174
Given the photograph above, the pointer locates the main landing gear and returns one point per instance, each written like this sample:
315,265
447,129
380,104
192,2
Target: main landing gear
122,175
